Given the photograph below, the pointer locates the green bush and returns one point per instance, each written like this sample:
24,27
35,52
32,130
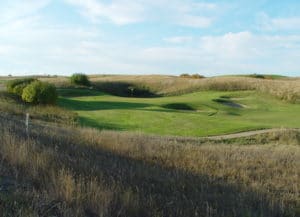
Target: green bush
39,92
17,86
80,79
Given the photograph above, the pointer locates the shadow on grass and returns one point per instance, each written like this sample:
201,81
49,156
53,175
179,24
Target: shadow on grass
99,105
227,102
78,92
124,89
89,122
178,106
161,190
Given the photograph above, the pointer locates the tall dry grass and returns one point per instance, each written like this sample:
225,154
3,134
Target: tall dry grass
285,89
13,105
83,172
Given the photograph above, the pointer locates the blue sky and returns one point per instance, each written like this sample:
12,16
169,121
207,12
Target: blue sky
149,37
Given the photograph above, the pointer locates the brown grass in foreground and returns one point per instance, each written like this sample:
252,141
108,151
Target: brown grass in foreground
84,172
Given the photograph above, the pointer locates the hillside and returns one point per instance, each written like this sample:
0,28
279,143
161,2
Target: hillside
63,171
153,154
170,105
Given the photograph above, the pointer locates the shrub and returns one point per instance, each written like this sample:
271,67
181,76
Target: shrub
80,79
39,92
185,75
17,86
257,76
197,76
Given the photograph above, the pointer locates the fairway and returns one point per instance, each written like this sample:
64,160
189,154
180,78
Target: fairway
196,114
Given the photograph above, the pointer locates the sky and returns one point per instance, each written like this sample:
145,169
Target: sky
61,37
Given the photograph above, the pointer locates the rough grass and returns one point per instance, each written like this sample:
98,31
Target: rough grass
84,172
11,104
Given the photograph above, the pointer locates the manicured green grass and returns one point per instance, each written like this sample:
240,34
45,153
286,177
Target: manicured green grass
196,114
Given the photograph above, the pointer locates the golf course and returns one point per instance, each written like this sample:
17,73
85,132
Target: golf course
149,108
104,144
202,113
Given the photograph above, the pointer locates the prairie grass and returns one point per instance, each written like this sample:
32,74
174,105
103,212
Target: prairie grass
285,89
85,172
13,105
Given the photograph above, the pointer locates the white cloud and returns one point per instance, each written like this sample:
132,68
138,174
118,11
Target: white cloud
27,45
279,23
286,23
122,12
195,21
242,52
230,45
17,9
178,39
68,50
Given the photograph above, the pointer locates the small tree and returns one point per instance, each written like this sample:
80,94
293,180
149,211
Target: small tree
39,92
17,86
80,79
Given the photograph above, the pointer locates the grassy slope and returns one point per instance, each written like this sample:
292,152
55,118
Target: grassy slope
83,172
209,118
